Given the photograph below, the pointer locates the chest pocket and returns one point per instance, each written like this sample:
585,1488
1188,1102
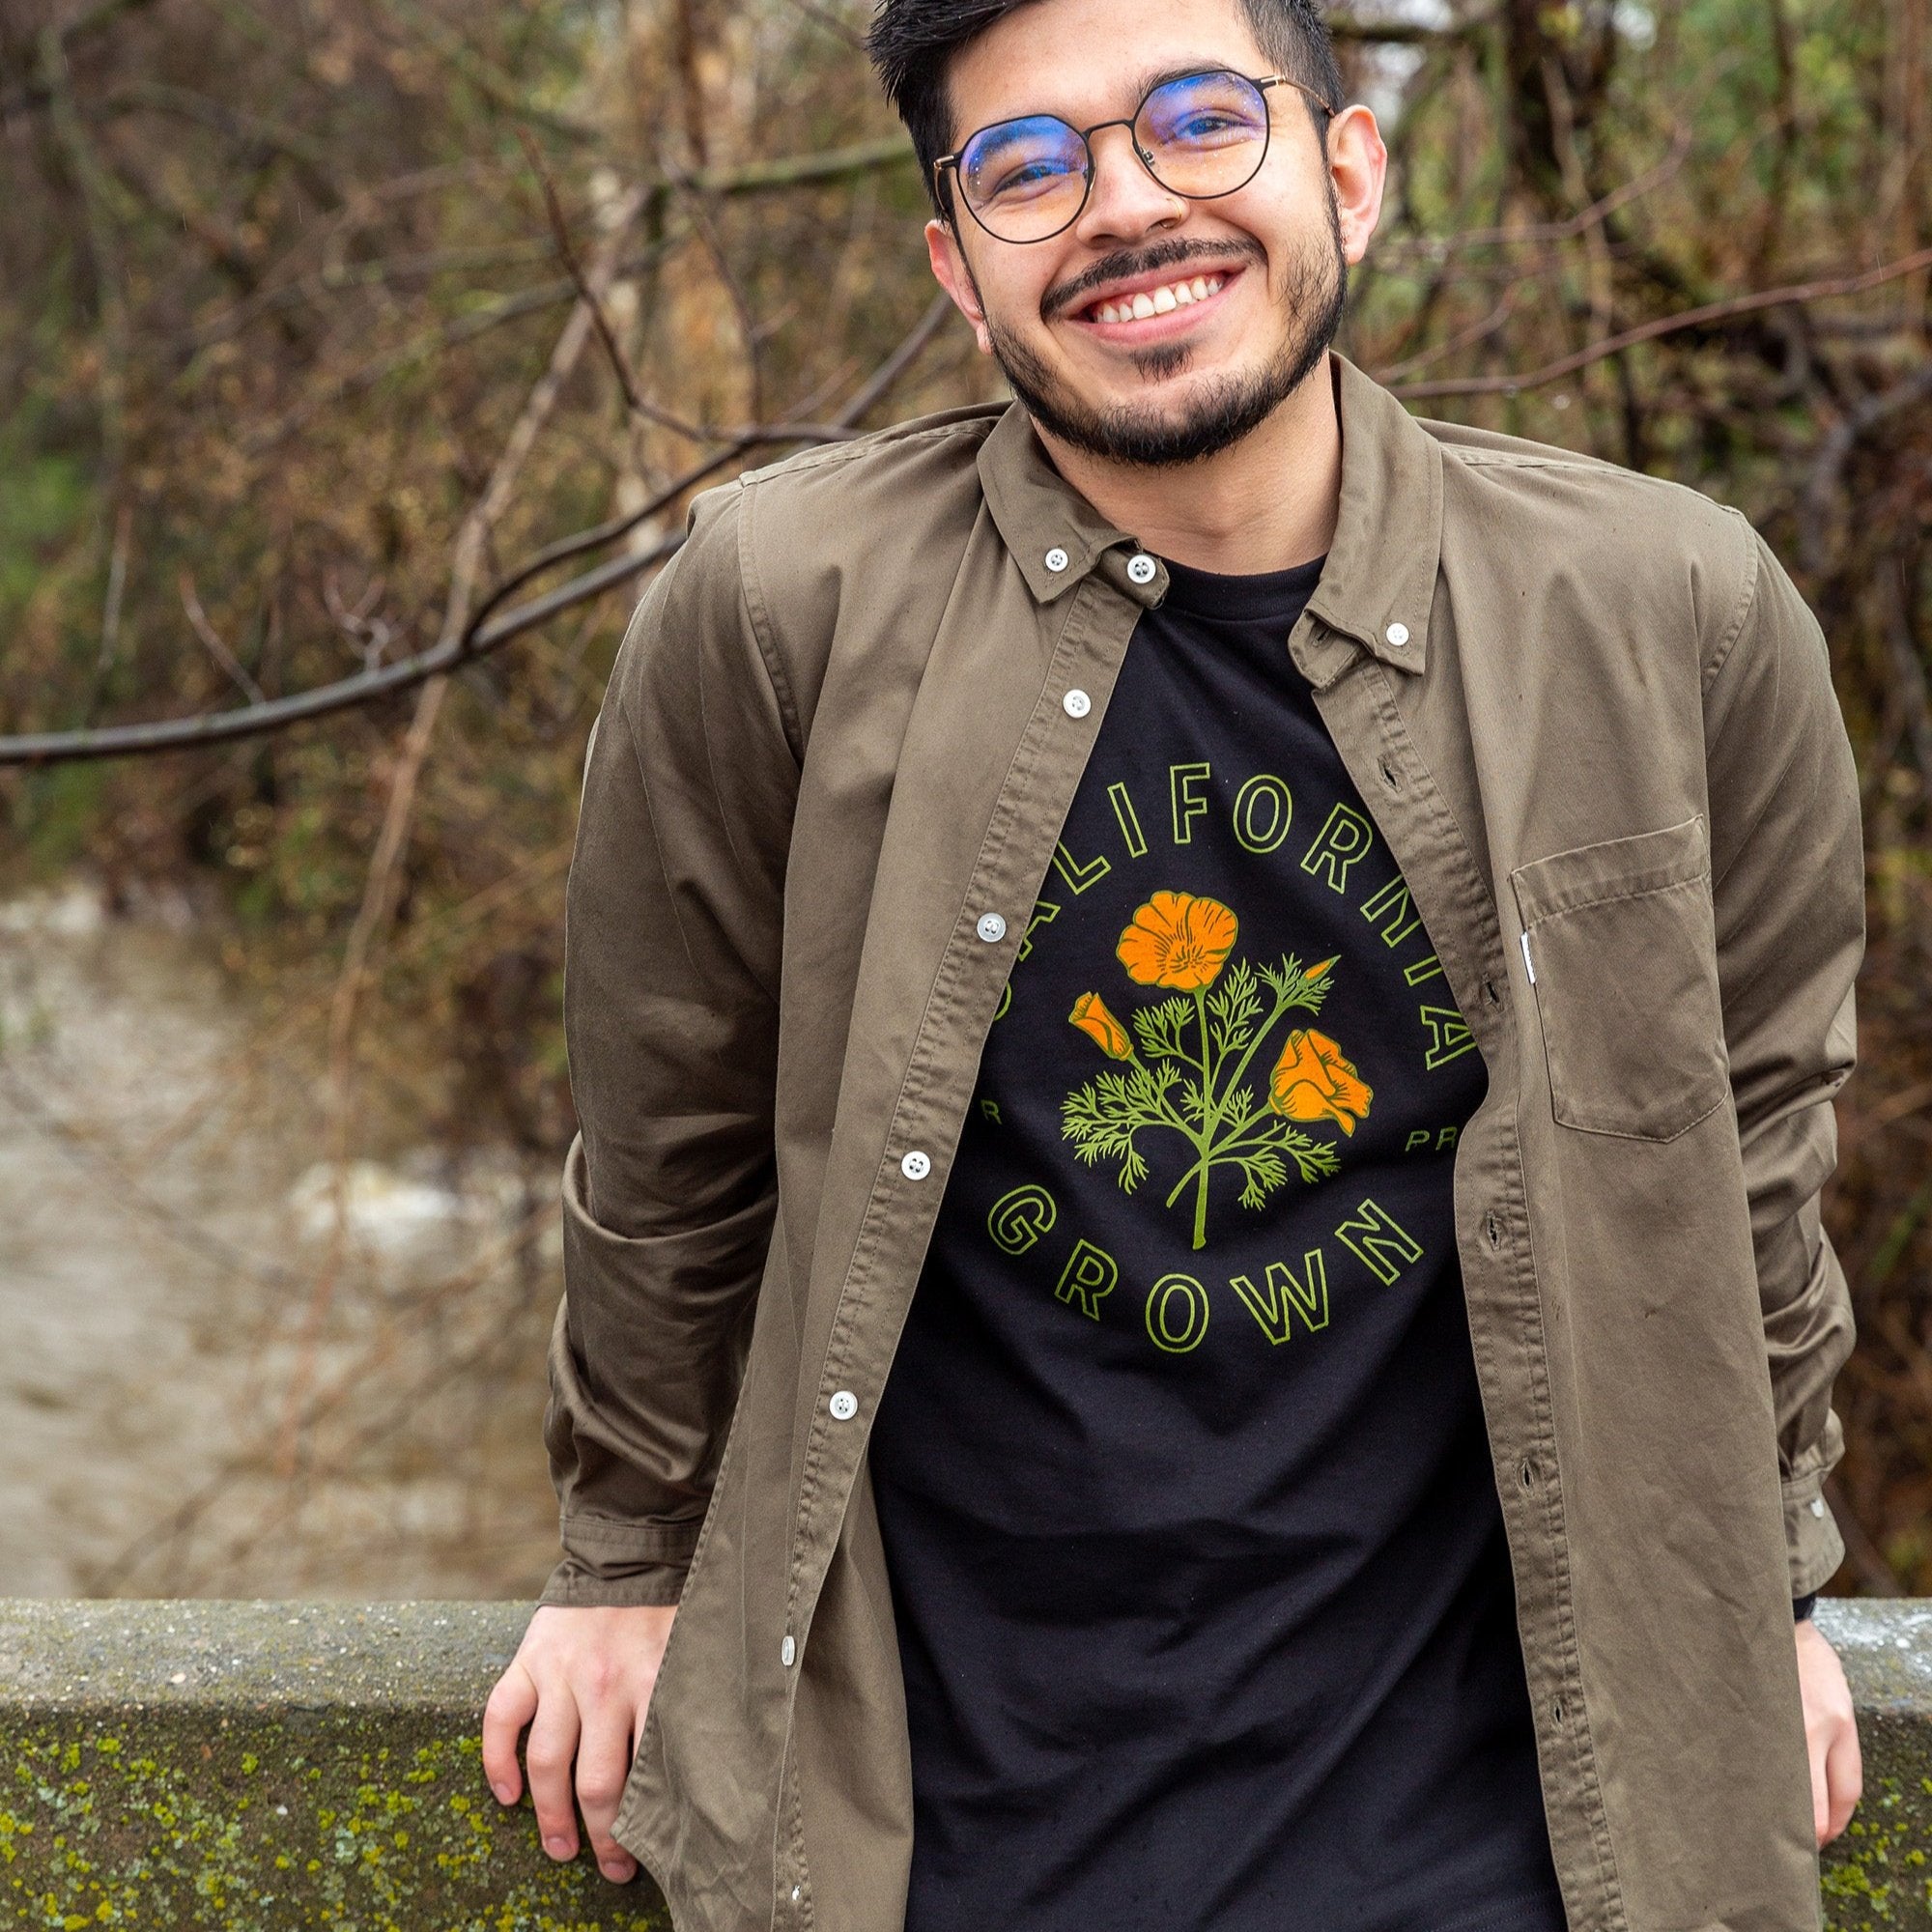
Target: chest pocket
1623,942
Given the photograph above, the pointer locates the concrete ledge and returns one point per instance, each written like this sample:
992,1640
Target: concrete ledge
1879,1875
264,1765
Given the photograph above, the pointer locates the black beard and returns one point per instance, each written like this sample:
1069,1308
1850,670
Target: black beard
1230,408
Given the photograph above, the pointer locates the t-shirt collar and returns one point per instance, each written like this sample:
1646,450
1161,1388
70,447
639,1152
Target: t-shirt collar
1378,586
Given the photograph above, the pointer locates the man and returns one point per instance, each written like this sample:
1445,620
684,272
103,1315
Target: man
1204,1020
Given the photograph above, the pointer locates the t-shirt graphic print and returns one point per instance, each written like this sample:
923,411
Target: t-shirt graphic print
1203,1603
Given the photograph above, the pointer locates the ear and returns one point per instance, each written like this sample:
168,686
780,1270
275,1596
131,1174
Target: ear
950,270
1359,167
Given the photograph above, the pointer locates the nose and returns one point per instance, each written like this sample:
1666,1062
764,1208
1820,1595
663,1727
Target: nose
1126,201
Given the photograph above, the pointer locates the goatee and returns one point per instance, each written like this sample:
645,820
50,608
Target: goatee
1221,413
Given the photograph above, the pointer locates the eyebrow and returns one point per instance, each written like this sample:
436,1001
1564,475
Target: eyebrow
1145,83
1159,76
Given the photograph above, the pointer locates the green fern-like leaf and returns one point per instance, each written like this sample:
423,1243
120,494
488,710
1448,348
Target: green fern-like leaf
1102,1117
1263,1170
1294,987
1158,1027
1232,1008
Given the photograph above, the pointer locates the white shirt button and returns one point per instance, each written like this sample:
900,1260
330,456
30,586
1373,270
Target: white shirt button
1057,559
1817,1505
992,928
1396,635
797,1892
844,1405
915,1166
1077,704
787,1652
1142,568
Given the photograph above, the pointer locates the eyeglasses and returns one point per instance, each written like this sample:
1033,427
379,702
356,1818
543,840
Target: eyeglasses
1201,136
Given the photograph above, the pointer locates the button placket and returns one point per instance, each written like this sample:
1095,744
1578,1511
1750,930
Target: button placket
996,875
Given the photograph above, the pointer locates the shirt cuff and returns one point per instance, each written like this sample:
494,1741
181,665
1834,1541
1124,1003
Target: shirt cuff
1801,1607
1810,1536
606,1562
576,1587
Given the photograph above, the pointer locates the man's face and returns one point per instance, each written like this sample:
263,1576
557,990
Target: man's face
1191,379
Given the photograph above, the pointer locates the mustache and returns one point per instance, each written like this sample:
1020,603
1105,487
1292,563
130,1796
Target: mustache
1072,292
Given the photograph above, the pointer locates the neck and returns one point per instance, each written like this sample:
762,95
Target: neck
1268,502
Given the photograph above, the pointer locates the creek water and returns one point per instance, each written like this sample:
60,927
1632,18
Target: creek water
193,1400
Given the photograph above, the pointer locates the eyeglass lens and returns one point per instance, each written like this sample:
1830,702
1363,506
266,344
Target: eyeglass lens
1201,136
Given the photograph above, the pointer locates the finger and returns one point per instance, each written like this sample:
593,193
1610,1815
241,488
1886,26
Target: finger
603,1763
1816,1742
552,1744
1844,1777
512,1704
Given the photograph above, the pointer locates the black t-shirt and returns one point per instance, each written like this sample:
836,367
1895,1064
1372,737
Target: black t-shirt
1203,1603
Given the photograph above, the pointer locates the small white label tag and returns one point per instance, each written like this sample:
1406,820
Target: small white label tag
1528,963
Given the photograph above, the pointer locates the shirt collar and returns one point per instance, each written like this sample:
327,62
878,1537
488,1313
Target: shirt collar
1377,585
1053,533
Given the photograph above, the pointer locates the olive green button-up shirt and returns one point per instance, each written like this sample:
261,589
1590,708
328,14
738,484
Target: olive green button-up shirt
1594,724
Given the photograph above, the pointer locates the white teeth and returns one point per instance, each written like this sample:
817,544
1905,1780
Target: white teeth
1158,301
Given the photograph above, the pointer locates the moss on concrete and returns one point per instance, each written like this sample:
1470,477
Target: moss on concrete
1878,1876
271,1766
255,1766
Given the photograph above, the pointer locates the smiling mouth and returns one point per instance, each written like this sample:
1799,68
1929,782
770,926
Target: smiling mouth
1143,304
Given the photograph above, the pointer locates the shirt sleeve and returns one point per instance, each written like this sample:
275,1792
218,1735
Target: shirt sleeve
673,922
1787,873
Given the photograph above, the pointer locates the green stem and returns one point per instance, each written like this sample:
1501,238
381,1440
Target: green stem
1282,1002
1208,1119
1202,1152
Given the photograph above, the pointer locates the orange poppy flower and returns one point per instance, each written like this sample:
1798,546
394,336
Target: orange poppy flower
1312,1081
1090,1016
1178,940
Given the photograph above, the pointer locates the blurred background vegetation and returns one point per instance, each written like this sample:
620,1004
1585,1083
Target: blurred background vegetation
321,319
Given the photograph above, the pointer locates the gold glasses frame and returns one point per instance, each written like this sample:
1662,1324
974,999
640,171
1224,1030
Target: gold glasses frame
1260,83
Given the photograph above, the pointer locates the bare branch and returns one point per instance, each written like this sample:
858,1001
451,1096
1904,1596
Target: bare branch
1347,29
484,633
1821,485
379,890
1668,325
110,613
1908,662
594,301
212,639
156,96
831,21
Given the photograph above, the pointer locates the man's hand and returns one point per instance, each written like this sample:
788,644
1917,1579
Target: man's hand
1831,1737
581,1680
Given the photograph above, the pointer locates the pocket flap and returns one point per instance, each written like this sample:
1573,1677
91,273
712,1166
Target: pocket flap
1614,868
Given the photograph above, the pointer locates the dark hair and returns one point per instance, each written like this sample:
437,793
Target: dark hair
912,43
